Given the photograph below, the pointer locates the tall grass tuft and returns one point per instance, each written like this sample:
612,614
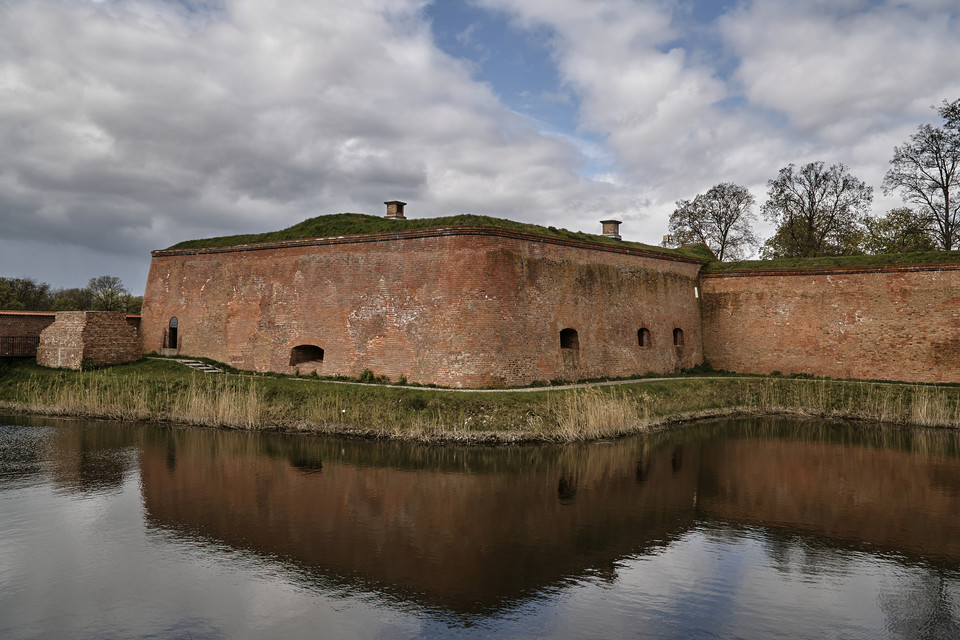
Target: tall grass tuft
591,413
220,401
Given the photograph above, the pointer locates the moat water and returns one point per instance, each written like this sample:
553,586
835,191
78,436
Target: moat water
733,529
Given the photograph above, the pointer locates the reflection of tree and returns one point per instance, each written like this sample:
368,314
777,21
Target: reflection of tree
93,456
925,605
567,487
20,459
808,556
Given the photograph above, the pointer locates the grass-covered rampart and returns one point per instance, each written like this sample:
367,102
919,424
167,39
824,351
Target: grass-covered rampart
837,262
163,390
348,224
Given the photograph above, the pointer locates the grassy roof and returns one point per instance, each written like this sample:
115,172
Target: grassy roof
923,257
344,224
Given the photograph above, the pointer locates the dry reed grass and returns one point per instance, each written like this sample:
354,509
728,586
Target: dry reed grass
590,414
434,415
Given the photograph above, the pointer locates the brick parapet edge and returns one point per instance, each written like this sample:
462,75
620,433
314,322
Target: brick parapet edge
828,271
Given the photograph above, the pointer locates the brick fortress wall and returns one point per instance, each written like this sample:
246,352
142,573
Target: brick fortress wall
461,306
887,323
100,337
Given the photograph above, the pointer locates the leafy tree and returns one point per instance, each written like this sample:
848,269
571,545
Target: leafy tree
108,294
901,230
817,211
721,218
30,294
134,303
72,300
8,297
926,172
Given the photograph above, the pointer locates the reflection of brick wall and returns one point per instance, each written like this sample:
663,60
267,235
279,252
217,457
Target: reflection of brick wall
894,500
459,307
102,337
439,535
890,323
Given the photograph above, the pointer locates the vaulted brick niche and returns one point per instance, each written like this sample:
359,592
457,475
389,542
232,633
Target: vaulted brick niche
569,339
306,354
678,337
643,337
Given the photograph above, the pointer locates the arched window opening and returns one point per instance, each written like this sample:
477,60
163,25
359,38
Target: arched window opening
172,334
678,337
305,353
643,337
569,339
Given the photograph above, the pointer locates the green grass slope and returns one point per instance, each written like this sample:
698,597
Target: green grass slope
343,224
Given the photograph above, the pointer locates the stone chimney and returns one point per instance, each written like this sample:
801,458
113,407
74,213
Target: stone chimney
611,229
395,210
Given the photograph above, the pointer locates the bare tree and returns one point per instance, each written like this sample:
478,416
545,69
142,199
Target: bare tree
926,172
818,211
721,218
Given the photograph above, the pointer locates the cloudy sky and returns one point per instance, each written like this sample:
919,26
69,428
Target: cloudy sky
129,125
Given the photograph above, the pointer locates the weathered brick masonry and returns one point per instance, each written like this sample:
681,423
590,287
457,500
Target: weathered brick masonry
888,323
100,337
460,306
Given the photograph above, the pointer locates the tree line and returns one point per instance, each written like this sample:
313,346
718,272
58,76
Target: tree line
104,293
820,210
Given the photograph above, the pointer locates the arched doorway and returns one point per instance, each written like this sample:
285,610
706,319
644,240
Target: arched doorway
172,337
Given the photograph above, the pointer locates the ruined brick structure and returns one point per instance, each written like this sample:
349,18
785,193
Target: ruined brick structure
98,337
457,306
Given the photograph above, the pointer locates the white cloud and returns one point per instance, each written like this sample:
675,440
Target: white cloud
132,124
838,75
826,80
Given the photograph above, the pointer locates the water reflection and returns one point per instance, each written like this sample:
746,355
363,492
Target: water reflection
465,529
473,530
86,458
724,528
854,493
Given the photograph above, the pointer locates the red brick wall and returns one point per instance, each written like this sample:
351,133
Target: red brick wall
453,307
24,324
19,331
886,323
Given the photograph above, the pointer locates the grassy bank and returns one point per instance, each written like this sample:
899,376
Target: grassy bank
163,390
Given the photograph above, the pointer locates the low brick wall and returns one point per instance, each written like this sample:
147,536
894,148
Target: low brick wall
20,331
99,337
875,323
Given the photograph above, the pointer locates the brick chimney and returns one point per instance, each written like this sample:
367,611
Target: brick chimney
395,210
611,229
